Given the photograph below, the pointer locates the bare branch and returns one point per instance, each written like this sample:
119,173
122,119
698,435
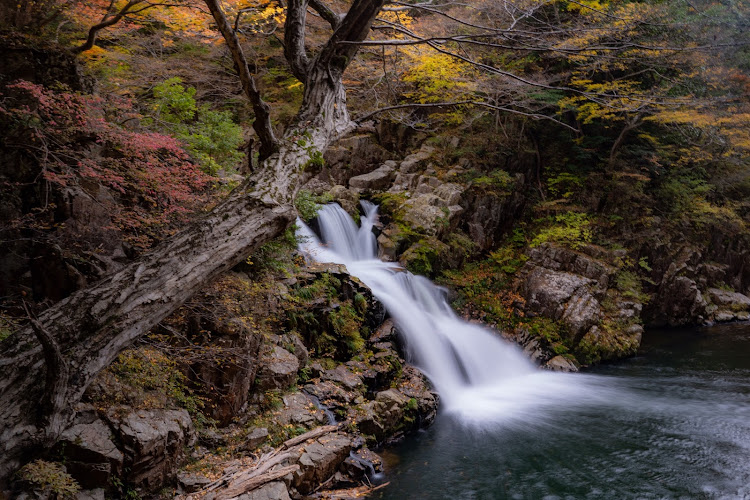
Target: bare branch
326,13
535,116
262,123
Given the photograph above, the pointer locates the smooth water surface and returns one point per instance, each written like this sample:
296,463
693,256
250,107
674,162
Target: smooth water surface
675,424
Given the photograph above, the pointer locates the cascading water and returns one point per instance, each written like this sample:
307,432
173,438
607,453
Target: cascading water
479,376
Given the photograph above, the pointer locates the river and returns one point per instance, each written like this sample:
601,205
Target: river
675,424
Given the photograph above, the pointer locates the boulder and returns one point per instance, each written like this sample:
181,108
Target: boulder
257,437
561,364
728,305
278,369
271,491
347,198
378,179
320,459
91,456
152,442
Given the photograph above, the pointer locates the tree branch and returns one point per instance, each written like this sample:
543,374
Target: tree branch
262,123
106,22
535,116
294,38
326,13
57,371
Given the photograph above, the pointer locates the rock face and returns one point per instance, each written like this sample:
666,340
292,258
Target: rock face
279,369
91,456
320,459
578,290
152,444
230,369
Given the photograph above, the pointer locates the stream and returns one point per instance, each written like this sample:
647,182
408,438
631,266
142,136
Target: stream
673,422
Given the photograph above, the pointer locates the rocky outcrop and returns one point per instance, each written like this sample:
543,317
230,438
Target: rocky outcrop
153,443
91,455
586,293
278,371
142,448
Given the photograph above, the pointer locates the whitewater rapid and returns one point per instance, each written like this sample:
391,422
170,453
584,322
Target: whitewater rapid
480,377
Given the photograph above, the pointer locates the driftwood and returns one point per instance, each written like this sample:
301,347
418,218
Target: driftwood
238,481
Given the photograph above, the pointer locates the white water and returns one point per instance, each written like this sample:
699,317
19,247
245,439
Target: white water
480,377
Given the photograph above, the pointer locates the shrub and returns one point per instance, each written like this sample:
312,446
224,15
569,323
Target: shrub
50,478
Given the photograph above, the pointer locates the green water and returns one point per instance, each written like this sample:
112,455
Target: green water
673,422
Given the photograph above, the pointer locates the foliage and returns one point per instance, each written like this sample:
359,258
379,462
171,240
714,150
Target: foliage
50,478
276,256
78,141
211,136
571,228
8,325
308,204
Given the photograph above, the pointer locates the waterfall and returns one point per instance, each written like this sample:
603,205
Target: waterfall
480,377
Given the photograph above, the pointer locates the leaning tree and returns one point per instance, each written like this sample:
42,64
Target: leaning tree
46,367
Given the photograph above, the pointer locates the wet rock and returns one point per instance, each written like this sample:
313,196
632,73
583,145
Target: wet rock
152,442
385,332
299,410
320,459
278,371
561,364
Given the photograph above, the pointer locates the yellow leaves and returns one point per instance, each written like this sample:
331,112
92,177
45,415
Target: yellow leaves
587,5
437,77
606,101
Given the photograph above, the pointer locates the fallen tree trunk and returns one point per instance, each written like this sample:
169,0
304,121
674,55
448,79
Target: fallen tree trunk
90,328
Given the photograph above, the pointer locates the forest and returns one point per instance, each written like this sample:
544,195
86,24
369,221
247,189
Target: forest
184,313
